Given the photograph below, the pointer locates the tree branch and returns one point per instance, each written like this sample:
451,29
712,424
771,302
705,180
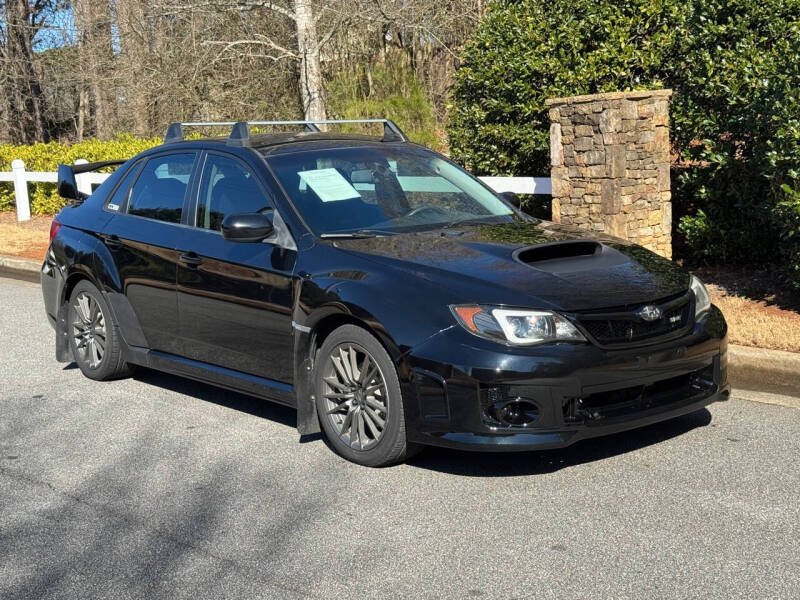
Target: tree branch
285,53
334,28
243,6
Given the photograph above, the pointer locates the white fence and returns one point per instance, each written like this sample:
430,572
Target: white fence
20,177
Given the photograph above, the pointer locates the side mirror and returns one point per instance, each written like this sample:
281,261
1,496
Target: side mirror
511,198
247,227
67,186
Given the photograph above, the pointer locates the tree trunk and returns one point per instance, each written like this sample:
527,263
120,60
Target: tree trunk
80,126
310,80
135,28
93,21
27,98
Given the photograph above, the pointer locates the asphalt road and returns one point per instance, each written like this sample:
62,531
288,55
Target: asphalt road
157,487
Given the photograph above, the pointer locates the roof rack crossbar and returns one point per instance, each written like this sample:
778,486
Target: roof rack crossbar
391,132
175,130
240,132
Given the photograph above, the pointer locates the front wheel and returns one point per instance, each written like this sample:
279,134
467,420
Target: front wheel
358,399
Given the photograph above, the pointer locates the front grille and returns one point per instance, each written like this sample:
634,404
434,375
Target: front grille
630,400
626,327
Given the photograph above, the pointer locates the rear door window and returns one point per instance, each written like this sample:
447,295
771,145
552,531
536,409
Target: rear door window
160,189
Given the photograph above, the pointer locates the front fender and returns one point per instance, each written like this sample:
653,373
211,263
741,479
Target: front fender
399,313
400,317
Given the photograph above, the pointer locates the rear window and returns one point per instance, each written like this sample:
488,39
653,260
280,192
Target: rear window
122,193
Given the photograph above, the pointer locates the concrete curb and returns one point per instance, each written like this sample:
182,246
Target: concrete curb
764,370
20,268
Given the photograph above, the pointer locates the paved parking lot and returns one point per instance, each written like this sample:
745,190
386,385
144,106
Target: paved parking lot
156,487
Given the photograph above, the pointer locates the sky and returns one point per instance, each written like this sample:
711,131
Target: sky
60,31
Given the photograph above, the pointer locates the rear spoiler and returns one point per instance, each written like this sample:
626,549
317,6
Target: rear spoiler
67,184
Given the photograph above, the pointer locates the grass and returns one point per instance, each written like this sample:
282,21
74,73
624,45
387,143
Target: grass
752,323
757,314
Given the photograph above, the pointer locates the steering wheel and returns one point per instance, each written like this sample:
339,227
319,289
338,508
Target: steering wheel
425,208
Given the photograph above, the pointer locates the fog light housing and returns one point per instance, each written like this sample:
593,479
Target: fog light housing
518,412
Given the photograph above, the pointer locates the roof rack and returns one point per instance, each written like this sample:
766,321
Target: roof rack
240,132
175,130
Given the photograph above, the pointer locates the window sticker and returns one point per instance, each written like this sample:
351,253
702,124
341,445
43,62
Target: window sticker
329,185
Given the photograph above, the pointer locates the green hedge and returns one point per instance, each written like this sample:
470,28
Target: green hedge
46,157
734,66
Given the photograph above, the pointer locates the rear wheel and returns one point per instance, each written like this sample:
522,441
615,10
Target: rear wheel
94,335
358,399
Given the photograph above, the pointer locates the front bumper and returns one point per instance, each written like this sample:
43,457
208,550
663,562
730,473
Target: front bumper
580,391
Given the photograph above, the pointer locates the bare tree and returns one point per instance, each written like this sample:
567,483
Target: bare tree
308,47
93,22
135,65
23,19
136,26
306,57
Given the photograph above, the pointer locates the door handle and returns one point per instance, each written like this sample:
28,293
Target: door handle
190,259
113,242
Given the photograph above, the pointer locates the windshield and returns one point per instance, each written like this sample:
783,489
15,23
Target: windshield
383,190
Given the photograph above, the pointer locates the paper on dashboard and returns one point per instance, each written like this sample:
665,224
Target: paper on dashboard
329,185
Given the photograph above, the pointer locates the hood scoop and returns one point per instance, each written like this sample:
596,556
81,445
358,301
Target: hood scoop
557,251
569,257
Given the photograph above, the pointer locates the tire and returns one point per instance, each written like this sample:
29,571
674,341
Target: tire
358,399
94,335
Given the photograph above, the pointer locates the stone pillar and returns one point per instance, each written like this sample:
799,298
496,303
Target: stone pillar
610,165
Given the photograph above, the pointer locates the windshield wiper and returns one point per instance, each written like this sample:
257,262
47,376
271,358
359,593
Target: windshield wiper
470,221
361,233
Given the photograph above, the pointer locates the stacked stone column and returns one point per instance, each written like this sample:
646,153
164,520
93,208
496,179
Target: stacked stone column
610,165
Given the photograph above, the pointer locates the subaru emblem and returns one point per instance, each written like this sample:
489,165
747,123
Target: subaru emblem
649,313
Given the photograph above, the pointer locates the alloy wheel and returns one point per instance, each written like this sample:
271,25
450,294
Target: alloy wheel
355,396
89,330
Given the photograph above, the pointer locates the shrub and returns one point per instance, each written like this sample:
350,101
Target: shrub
525,52
734,66
46,157
394,92
735,121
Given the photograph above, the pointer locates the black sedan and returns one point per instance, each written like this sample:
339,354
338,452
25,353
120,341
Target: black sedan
384,292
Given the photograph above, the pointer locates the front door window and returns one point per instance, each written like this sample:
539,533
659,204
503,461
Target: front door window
227,187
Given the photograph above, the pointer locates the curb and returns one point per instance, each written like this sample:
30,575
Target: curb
761,370
20,268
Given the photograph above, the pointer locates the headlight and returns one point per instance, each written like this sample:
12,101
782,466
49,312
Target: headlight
519,327
702,301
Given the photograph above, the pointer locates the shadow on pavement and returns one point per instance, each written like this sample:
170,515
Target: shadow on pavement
485,464
209,393
455,462
136,525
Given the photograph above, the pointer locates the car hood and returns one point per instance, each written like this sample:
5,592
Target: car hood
536,264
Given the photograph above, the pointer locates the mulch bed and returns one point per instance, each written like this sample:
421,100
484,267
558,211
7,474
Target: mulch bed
29,239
